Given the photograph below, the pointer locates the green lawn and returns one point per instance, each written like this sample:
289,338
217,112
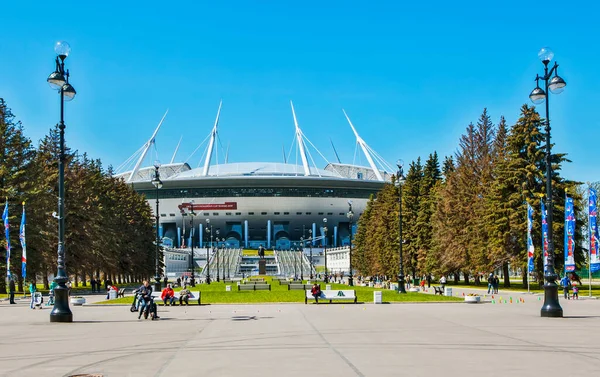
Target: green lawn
215,294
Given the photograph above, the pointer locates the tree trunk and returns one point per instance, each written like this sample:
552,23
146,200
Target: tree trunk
525,277
46,283
506,275
466,277
477,280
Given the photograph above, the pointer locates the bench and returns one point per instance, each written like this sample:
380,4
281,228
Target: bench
288,282
255,283
121,293
332,294
254,287
257,279
299,287
193,296
438,291
229,281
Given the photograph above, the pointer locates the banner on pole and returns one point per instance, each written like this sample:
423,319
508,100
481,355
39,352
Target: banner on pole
7,235
569,235
544,235
593,211
530,248
23,245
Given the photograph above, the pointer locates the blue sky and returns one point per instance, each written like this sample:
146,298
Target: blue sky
411,76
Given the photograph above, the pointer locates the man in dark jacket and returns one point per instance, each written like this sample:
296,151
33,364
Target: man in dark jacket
145,293
11,291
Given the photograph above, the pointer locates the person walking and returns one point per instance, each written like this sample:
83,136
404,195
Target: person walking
93,284
565,283
32,290
491,283
11,290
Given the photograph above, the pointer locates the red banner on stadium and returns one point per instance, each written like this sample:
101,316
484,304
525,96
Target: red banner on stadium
209,206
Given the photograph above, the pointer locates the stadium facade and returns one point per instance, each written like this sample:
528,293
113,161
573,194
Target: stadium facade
249,204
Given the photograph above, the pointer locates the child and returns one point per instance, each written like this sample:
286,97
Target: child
575,292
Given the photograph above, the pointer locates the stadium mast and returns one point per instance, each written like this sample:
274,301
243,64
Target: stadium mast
146,147
176,149
365,149
300,143
213,136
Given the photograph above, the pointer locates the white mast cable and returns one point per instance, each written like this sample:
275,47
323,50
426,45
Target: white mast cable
147,146
212,142
128,162
300,143
362,144
176,149
227,153
321,154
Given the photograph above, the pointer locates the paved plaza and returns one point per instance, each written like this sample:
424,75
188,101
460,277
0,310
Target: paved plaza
421,339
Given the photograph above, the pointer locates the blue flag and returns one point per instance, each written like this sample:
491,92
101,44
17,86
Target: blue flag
593,212
544,235
7,235
23,245
530,248
569,236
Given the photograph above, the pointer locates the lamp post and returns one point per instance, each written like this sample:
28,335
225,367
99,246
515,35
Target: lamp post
217,254
302,258
325,248
158,185
399,183
556,85
350,215
189,211
207,255
310,240
59,80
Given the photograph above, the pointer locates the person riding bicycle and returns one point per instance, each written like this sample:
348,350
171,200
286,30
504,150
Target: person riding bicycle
145,293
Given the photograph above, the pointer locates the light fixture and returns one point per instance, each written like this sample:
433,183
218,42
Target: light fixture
557,85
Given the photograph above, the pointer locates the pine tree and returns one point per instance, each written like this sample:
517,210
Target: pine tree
431,178
411,199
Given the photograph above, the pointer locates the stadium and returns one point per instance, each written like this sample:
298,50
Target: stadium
248,204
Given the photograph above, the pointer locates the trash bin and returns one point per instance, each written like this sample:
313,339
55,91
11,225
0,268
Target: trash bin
447,291
377,297
228,288
328,287
112,294
416,282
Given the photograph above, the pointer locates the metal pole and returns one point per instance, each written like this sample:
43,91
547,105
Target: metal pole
401,288
61,311
311,258
350,279
326,274
192,276
156,269
590,235
551,307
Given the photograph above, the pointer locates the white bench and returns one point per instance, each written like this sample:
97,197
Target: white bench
332,294
194,295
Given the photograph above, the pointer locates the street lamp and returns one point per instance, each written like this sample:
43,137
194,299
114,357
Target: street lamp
59,80
158,184
302,258
325,248
310,240
350,215
217,255
190,212
556,85
207,256
399,183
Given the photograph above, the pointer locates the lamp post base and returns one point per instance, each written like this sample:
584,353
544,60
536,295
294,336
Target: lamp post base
551,306
401,285
350,281
61,311
157,284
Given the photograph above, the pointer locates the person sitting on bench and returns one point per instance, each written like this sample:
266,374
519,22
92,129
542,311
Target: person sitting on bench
316,292
184,295
168,295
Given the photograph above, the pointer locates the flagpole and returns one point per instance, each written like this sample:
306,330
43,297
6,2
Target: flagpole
590,235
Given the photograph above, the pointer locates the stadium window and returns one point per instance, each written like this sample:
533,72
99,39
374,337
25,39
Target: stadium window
163,215
331,214
206,213
238,213
286,213
276,213
172,214
342,214
298,213
251,213
359,175
309,213
215,213
320,213
229,214
263,213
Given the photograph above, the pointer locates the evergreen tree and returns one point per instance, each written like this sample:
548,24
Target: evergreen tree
431,178
411,199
